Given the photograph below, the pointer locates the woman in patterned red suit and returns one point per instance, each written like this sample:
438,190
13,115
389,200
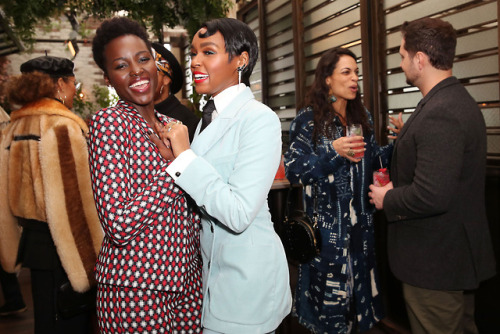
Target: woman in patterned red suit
149,267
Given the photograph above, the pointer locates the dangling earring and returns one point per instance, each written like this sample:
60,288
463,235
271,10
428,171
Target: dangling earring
240,70
161,89
64,98
58,98
332,99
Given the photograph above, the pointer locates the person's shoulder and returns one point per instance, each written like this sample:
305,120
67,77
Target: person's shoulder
117,110
304,115
303,120
258,109
109,116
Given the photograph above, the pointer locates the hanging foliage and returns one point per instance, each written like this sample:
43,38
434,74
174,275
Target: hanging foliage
25,15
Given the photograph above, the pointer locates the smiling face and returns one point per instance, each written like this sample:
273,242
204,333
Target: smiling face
210,65
131,70
343,81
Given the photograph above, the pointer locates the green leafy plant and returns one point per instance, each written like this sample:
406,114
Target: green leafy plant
24,16
103,98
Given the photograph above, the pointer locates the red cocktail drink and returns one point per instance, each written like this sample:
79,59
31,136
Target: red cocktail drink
356,130
381,177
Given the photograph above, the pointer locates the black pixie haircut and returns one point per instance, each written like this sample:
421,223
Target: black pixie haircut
111,29
238,37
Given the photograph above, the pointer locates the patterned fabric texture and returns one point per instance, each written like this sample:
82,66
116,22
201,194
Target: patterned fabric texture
126,310
340,286
151,233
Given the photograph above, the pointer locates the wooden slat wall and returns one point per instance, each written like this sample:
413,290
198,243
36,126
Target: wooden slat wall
476,63
280,61
251,17
326,24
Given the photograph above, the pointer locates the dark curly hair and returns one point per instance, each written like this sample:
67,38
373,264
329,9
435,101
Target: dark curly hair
238,37
30,87
111,29
318,97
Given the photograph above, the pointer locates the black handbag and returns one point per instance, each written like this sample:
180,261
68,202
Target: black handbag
300,234
71,303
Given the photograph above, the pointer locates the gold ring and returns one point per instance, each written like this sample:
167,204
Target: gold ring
178,122
350,152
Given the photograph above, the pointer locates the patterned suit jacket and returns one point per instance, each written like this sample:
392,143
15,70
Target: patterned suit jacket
151,233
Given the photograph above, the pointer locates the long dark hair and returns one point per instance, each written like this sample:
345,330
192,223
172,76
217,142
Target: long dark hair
318,97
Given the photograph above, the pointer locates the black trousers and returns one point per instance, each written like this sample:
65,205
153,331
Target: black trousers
38,253
11,289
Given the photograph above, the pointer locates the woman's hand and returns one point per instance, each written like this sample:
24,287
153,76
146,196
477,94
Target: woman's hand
174,134
398,125
163,146
347,147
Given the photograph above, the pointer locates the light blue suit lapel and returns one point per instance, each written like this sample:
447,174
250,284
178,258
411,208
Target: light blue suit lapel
202,142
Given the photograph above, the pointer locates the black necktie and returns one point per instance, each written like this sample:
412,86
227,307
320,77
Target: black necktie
208,109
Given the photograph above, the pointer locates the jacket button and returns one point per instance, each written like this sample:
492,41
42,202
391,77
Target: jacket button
177,174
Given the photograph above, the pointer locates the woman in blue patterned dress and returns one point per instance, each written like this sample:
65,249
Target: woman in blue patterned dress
337,291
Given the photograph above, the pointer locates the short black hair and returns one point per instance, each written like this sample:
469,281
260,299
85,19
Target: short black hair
238,37
111,29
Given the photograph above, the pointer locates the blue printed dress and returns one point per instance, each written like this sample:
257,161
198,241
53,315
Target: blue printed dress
340,285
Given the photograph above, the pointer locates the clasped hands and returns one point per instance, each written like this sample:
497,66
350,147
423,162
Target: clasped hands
171,139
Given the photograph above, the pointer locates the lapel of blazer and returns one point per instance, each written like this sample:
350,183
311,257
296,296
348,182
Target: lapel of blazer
202,142
398,139
444,83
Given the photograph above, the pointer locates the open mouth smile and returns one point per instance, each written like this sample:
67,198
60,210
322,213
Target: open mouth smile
199,77
140,85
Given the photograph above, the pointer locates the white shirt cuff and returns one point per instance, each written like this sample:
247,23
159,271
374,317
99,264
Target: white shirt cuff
181,163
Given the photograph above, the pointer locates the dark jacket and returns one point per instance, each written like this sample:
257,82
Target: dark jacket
439,237
172,107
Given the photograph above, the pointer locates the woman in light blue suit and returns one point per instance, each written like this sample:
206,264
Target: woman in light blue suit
228,171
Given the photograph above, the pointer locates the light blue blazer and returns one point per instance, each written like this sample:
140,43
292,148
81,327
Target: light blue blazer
245,272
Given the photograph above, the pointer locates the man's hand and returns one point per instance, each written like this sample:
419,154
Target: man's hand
377,194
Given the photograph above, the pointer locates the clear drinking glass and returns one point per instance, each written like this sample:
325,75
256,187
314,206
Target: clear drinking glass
381,177
356,130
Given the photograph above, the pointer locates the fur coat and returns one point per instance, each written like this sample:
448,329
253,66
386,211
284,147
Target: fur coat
44,175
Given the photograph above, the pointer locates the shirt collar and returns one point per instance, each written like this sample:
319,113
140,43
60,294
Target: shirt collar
224,98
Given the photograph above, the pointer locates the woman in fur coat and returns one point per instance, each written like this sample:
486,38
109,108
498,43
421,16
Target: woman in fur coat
49,220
